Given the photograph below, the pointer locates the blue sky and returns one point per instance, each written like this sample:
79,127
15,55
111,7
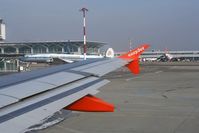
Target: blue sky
171,24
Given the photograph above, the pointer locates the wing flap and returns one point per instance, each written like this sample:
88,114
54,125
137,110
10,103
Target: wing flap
37,86
38,108
6,100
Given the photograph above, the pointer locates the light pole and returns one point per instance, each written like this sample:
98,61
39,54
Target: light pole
84,10
130,45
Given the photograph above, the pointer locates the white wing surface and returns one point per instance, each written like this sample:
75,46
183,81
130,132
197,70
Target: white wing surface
28,98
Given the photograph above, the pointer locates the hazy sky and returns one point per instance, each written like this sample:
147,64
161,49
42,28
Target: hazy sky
171,24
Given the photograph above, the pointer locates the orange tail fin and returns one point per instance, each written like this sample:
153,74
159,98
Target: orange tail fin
133,58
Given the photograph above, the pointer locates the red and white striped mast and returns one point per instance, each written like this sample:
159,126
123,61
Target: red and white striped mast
84,10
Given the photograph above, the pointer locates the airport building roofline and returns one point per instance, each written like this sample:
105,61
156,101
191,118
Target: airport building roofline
63,46
62,42
187,51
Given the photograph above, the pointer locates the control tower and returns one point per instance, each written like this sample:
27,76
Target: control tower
2,30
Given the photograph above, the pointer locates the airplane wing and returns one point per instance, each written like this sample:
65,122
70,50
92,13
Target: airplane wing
28,98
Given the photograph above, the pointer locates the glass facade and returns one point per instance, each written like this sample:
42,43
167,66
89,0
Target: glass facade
8,66
9,50
25,50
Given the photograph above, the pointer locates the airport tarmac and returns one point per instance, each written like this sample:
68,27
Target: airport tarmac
164,98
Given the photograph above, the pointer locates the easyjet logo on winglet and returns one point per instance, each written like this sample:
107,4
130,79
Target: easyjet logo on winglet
136,52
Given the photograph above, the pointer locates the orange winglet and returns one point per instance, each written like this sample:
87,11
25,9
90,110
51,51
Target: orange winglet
90,103
134,67
133,58
134,54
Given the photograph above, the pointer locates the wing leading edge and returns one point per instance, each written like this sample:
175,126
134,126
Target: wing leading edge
28,98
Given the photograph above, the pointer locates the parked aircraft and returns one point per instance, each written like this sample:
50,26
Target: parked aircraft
69,58
169,57
165,57
29,98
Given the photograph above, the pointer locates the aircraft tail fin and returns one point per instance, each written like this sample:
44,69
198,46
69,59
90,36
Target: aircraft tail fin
109,53
133,58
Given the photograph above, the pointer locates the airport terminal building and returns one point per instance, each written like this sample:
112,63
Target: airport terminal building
181,55
10,51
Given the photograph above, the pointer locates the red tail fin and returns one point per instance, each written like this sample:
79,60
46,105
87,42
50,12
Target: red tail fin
133,57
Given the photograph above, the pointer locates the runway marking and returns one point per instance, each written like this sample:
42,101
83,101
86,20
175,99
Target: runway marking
129,79
69,129
165,96
118,76
158,72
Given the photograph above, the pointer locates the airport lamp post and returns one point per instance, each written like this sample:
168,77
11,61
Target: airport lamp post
84,10
130,45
